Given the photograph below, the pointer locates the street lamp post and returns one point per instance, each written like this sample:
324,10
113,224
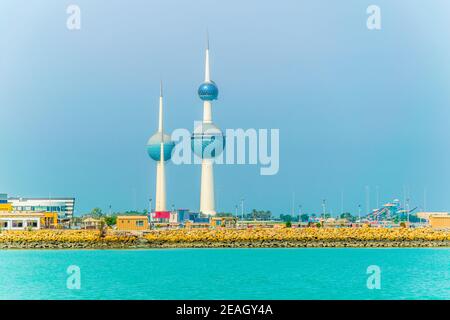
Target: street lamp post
324,208
150,214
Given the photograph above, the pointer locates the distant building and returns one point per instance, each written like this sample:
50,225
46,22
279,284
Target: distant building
64,207
173,217
3,198
426,215
21,213
91,223
440,221
161,216
20,220
132,223
228,222
181,216
4,205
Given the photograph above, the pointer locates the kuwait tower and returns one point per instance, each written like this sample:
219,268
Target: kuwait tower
159,148
207,141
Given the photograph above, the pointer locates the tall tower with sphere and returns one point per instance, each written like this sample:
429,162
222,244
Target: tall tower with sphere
159,148
207,141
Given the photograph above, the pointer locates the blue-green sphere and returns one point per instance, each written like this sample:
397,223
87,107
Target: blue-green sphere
154,147
208,91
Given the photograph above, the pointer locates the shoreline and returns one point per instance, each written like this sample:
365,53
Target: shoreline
218,245
227,238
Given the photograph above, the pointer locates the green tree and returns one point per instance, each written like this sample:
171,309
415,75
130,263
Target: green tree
96,212
304,217
285,217
224,214
348,216
111,220
288,224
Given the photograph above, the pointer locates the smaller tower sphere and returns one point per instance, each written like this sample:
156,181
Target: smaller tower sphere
207,141
208,91
154,146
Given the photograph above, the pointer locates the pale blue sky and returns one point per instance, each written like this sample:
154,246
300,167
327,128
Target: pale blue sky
354,107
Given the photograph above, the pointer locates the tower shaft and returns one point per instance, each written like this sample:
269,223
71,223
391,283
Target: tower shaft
207,199
160,204
207,112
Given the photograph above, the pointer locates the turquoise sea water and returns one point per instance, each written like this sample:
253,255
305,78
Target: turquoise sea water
226,274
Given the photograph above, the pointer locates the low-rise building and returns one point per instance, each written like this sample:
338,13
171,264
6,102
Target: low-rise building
49,220
161,216
439,221
428,214
90,223
227,222
4,204
132,223
10,220
6,207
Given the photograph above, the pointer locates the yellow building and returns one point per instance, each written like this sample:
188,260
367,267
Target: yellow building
6,207
440,222
49,220
132,223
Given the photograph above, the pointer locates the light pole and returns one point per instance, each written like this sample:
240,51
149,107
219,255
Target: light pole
150,211
236,211
242,209
324,210
359,212
299,213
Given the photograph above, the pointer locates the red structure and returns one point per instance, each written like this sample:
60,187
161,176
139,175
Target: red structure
161,214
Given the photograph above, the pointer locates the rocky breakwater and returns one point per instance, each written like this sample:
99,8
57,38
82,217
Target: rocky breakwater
298,238
66,239
226,238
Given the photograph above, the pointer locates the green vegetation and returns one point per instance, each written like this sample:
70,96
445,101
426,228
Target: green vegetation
348,216
224,214
258,215
111,220
96,213
304,217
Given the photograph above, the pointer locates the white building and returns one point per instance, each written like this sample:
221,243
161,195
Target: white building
63,206
20,220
